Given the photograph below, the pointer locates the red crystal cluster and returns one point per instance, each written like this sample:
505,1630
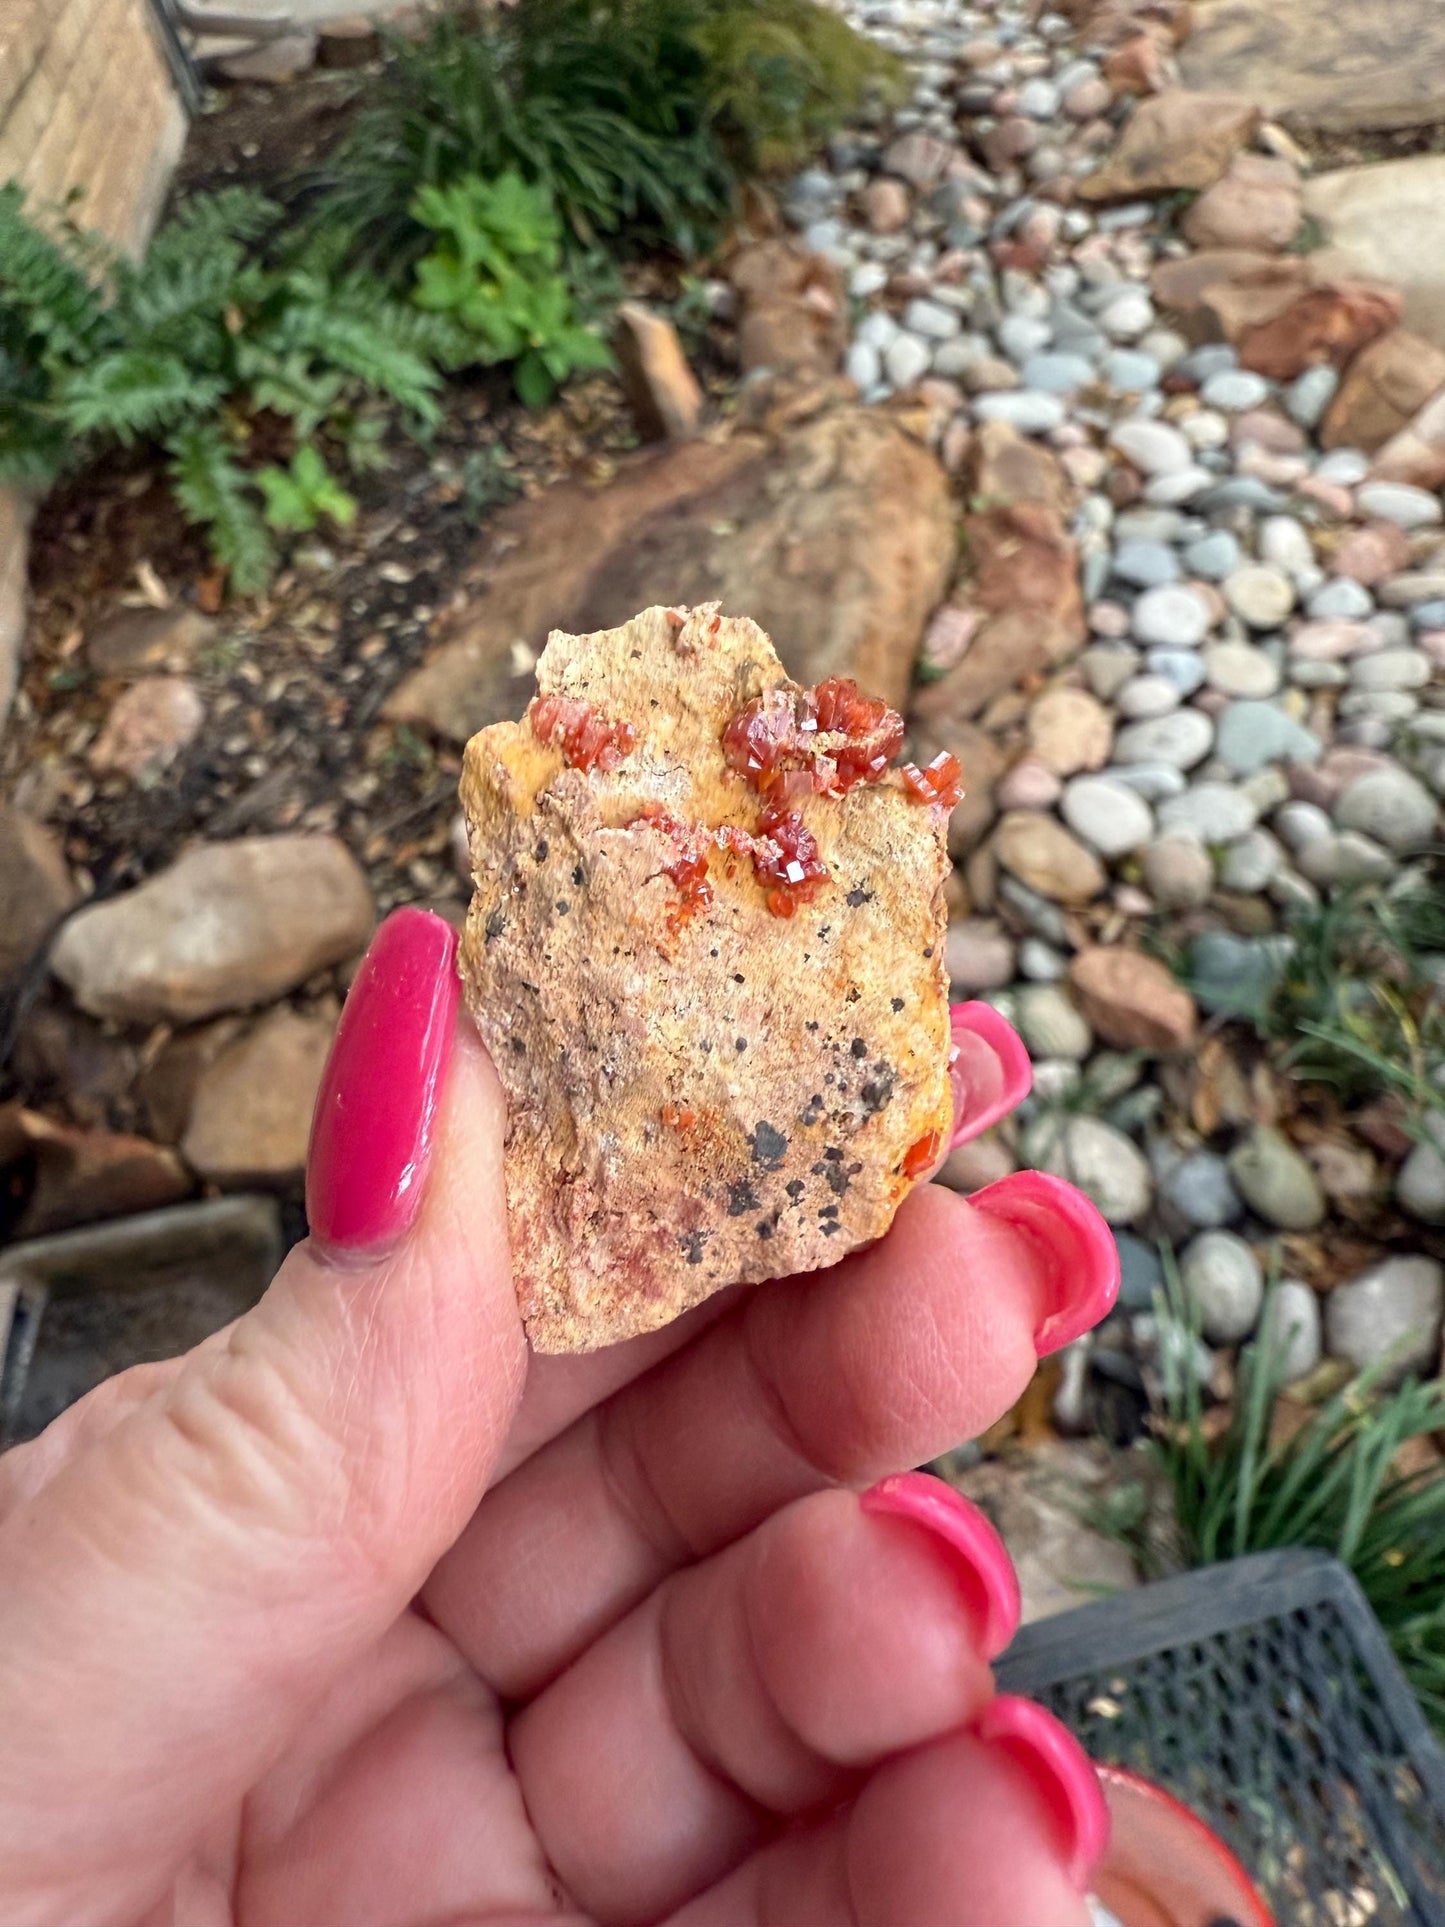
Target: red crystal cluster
941,782
795,742
585,737
786,859
689,871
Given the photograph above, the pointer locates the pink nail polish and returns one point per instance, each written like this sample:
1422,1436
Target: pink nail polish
972,1546
989,1067
1061,1772
1074,1246
372,1129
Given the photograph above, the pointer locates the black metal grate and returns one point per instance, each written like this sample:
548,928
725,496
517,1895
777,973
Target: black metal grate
1264,1695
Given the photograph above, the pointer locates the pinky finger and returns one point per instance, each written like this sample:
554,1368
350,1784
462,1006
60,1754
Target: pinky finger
989,1828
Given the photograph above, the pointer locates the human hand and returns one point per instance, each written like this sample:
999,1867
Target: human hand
358,1617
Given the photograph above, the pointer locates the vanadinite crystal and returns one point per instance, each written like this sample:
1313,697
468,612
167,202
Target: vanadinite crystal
706,955
586,738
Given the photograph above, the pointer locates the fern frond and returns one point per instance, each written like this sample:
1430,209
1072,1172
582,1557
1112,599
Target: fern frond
44,294
136,393
214,491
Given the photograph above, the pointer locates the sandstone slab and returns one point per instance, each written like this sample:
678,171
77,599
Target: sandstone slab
721,1024
1386,222
227,926
1327,323
1384,388
838,534
1373,64
1176,139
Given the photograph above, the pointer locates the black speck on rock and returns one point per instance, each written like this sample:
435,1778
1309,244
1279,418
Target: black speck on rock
741,1198
691,1244
769,1145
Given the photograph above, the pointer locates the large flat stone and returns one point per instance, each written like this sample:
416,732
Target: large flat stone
1386,222
1364,64
837,537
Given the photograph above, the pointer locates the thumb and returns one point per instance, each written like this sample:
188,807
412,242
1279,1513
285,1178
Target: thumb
172,1600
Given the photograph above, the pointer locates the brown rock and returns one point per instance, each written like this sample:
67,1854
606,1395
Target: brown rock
133,642
148,726
680,1085
661,389
793,308
251,1113
885,205
1025,581
1384,388
1070,730
285,58
67,1062
1217,294
35,889
1417,453
167,1086
920,159
1007,467
1174,140
1256,205
227,926
1132,1001
1329,323
347,40
839,535
1040,852
76,1177
1139,65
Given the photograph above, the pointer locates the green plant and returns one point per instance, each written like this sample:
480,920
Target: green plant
190,351
1356,1005
601,104
495,271
297,497
637,115
1333,1484
784,74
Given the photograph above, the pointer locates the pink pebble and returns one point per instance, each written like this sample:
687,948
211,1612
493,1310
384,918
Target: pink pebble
1108,619
1262,428
1333,497
1029,785
1432,641
1328,641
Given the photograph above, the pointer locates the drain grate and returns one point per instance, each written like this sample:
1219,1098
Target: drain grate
1264,1695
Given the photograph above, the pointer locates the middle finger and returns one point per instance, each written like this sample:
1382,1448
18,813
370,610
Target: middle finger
838,1377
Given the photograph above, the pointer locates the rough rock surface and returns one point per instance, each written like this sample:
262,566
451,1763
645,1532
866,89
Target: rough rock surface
700,1090
227,926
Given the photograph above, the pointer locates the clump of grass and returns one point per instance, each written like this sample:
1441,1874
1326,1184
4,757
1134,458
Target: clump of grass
1357,1007
1334,1485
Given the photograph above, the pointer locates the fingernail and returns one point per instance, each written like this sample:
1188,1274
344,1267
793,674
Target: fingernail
372,1128
989,1067
1061,1772
970,1543
1073,1244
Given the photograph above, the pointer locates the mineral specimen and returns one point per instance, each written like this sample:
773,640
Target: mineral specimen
705,951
